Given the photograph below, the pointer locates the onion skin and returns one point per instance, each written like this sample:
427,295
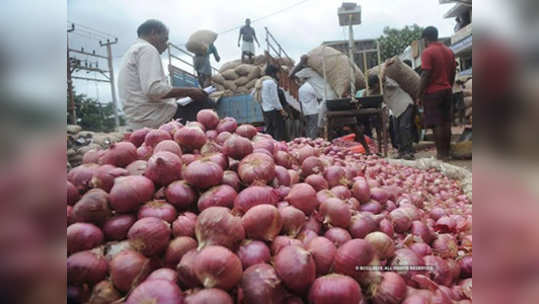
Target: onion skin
361,190
335,175
168,146
227,124
83,236
284,159
379,195
144,152
128,268
356,252
208,118
177,248
151,235
282,177
312,165
80,176
371,206
281,242
156,291
406,257
335,212
119,154
338,236
303,197
186,270
445,246
361,225
222,137
218,267
296,268
232,179
190,138
163,168
261,285
92,156
293,220
93,207
104,176
129,192
217,226
158,209
294,176
392,289
421,249
313,224
323,251
306,236
423,231
302,153
317,182
255,195
247,131
335,288
256,168
203,174
104,293
180,194
382,243
401,221
237,147
441,273
253,252
218,196
208,296
466,267
184,226
386,227
163,274
137,167
153,137
262,222
218,158
86,267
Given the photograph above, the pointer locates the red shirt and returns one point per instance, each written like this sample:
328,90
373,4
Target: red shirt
440,60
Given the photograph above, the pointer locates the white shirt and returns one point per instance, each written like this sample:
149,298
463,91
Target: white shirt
396,98
141,86
308,99
270,97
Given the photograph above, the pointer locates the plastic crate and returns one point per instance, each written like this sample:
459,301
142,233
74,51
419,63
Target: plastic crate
242,107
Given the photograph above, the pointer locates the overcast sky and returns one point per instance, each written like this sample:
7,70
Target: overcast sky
298,29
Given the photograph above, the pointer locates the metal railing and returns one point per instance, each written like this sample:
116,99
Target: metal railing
273,45
187,59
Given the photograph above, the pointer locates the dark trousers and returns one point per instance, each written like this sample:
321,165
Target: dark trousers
437,108
405,129
275,125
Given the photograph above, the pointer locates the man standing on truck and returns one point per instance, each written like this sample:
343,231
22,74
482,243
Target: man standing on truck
248,47
266,93
202,65
439,70
148,99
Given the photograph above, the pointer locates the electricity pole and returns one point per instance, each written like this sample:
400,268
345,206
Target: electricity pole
111,78
72,112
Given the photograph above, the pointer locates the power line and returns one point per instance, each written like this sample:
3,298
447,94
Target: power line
106,35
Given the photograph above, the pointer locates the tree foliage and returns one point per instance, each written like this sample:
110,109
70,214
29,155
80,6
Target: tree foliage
394,41
93,115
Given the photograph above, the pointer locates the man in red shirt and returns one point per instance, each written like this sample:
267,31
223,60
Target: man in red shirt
439,69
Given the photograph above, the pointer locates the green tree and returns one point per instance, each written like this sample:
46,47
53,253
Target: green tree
93,115
394,41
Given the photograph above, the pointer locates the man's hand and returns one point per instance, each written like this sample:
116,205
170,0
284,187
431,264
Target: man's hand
283,112
217,58
197,94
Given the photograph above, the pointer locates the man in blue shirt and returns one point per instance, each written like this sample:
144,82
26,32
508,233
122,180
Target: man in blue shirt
202,65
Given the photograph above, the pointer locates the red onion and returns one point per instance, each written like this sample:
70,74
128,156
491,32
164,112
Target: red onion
210,147
138,136
338,236
323,251
390,206
361,225
195,124
296,268
263,143
116,227
157,292
262,222
441,273
392,289
189,158
104,176
313,224
361,190
166,274
312,165
83,236
445,224
237,147
421,249
129,192
218,196
282,177
168,146
92,156
382,243
104,293
227,124
335,175
256,168
80,176
164,168
137,167
144,152
380,195
371,206
253,252
293,220
335,212
354,253
317,182
247,131
184,226
73,194
255,195
150,235
401,221
222,137
335,288
282,241
86,267
466,267
445,246
423,231
208,296
284,159
218,158
153,137
190,138
217,226
216,266
119,154
303,197
180,194
203,174
177,248
158,209
232,179
386,227
211,134
208,118
466,287
302,153
436,213
341,192
261,285
294,176
186,270
128,268
307,236
69,215
171,127
324,195
406,257
454,268
93,207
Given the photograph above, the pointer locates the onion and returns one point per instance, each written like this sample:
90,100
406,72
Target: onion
294,177
80,176
312,165
421,249
335,288
177,248
296,268
361,190
69,215
203,174
302,153
256,168
195,124
171,127
93,207
211,135
86,267
264,144
382,243
180,194
186,270
445,224
335,175
341,192
354,253
390,206
190,138
104,293
253,252
386,227
207,296
335,212
218,158
247,131
379,195
237,147
436,213
73,194
282,241
401,221
392,289
119,154
338,236
323,251
361,225
168,146
164,168
137,167
116,227
150,235
83,236
293,220
158,209
211,147
371,206
217,226
466,267
262,222
445,246
232,179
284,159
282,177
261,285
423,231
166,274
406,257
189,158
184,226
92,156
255,195
313,224
324,195
317,182
104,176
216,266
307,236
129,192
128,268
144,152
156,292
218,196
222,137
454,268
227,124
303,197
208,118
138,136
441,273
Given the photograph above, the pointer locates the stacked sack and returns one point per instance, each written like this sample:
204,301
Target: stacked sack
404,75
80,141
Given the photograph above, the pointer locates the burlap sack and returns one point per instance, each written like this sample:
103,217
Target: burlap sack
218,78
260,60
338,69
407,78
374,71
467,102
230,85
467,93
241,81
360,78
217,95
245,69
286,61
230,75
251,83
242,91
468,84
230,65
219,86
254,73
199,41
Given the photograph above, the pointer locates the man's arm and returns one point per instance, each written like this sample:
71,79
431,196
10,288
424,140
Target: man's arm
195,93
239,38
425,80
215,54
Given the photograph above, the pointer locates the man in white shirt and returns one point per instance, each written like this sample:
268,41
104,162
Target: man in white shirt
272,109
310,106
147,97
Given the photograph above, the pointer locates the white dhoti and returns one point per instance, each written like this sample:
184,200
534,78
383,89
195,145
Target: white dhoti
248,47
